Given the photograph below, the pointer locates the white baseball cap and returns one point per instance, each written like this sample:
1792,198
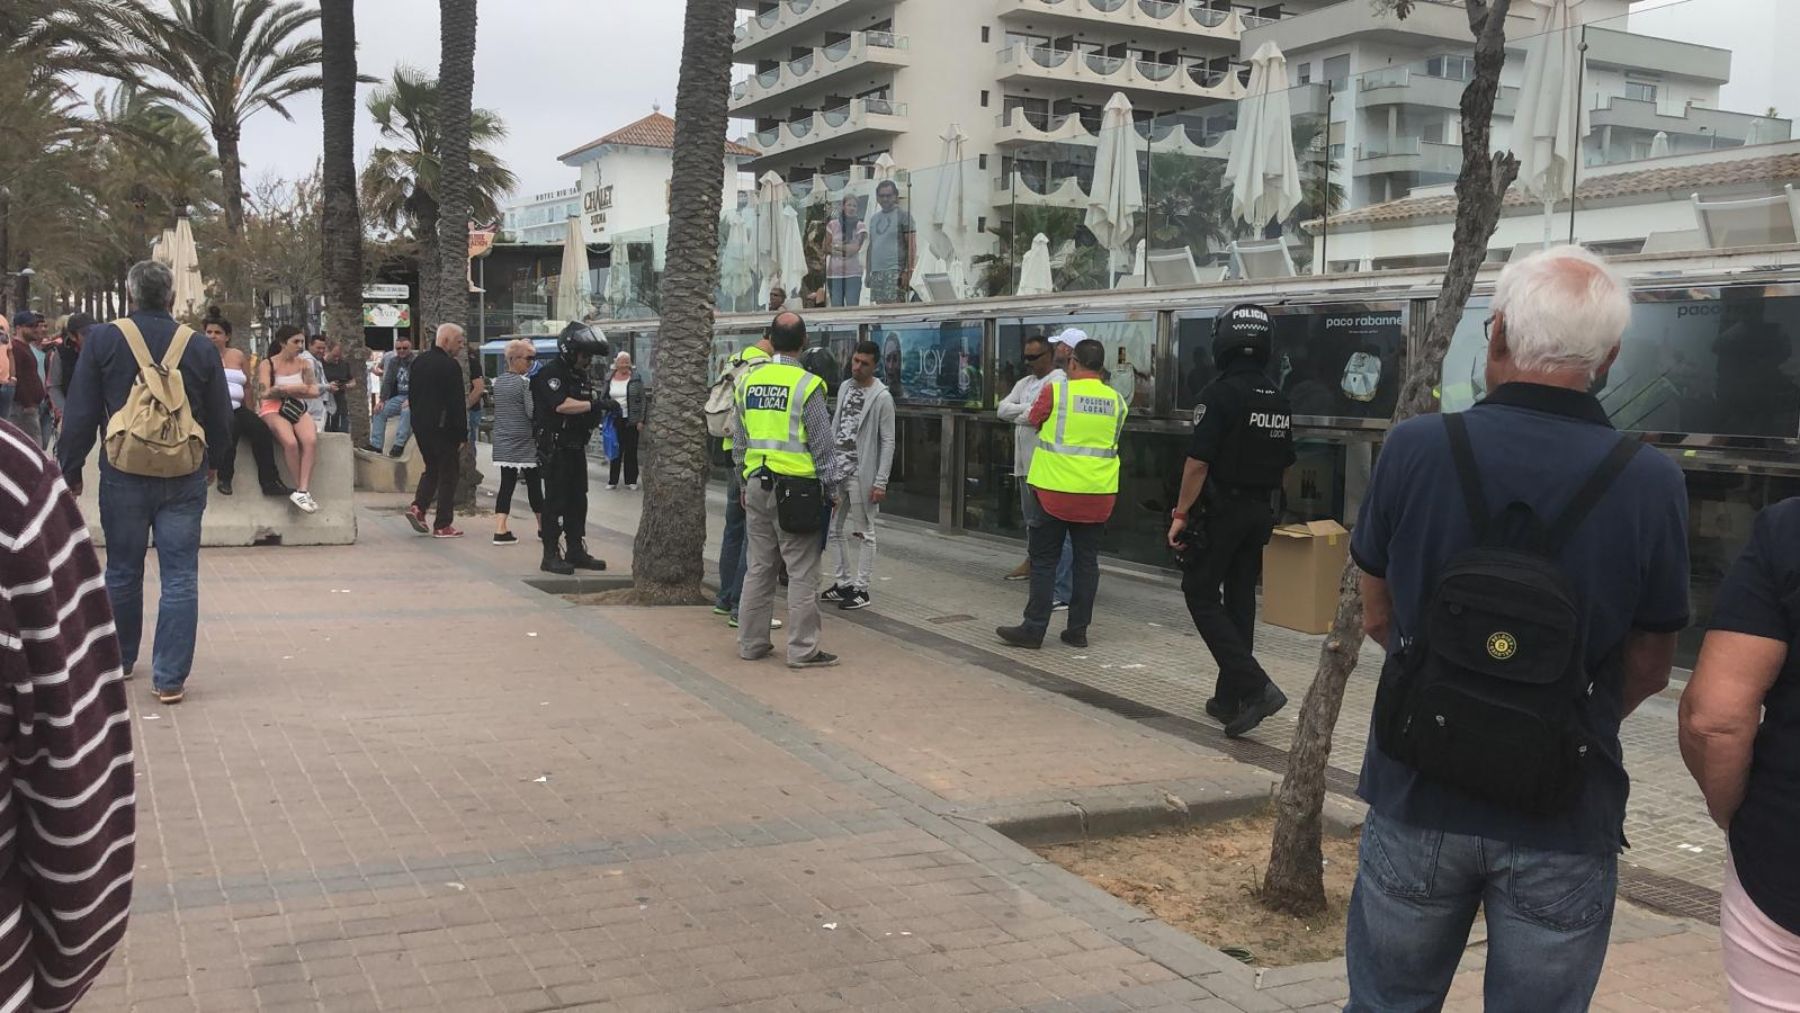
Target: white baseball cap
1070,336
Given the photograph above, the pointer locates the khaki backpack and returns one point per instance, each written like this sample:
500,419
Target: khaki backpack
154,433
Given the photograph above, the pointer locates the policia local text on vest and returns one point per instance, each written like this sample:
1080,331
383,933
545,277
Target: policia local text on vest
785,444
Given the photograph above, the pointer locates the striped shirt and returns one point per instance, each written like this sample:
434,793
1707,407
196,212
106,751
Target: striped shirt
514,444
67,795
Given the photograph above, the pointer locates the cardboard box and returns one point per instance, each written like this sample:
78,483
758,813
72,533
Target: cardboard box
1302,565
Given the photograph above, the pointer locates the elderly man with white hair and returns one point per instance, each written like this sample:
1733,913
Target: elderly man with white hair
440,422
1526,567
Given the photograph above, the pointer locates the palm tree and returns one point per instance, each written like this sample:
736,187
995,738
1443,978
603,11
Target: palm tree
456,109
1190,203
400,183
1294,883
666,557
226,61
341,229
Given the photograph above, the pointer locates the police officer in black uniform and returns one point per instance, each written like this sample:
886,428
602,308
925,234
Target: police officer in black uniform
569,406
1243,440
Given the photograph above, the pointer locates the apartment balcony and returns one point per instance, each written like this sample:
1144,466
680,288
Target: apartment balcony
1186,22
1026,190
776,89
1433,25
1408,154
1406,86
1021,126
1192,80
793,22
1711,126
861,118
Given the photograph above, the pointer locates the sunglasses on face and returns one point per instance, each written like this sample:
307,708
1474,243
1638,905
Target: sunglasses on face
1034,356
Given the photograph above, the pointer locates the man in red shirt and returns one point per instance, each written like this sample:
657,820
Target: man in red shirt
1075,477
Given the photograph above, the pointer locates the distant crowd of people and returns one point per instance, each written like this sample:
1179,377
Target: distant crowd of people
1523,565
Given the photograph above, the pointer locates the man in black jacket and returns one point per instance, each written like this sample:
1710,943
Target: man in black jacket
440,422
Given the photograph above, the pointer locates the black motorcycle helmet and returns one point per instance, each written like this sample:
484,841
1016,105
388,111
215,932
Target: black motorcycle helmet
579,345
1244,329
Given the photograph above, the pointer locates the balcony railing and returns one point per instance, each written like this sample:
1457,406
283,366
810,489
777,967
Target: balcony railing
786,16
1191,17
859,48
830,124
1388,148
1193,78
1033,126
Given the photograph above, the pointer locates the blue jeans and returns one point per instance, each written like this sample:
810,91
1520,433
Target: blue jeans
474,425
392,407
1065,566
734,548
844,291
131,508
1549,915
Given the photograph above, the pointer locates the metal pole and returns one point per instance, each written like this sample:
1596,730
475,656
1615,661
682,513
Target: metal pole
1324,264
481,333
1575,161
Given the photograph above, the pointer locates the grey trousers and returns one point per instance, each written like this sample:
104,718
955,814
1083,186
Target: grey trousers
769,547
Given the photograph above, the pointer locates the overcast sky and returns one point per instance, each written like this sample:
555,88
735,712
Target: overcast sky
563,72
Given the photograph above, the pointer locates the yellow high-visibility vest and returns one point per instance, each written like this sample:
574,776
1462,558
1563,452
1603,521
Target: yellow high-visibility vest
752,356
1078,445
772,399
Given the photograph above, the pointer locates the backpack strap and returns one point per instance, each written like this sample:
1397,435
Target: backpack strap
1590,494
177,346
1463,455
134,340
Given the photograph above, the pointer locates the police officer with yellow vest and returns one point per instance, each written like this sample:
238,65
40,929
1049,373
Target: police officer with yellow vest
784,445
1075,477
733,549
1243,440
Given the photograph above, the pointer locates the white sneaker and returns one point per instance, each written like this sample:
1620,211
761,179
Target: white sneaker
305,502
633,487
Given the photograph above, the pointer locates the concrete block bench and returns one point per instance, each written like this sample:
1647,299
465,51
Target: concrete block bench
247,517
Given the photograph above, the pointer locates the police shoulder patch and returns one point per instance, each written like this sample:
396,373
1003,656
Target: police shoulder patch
1199,412
555,384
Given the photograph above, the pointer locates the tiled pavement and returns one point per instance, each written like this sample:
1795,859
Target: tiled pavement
404,780
1145,650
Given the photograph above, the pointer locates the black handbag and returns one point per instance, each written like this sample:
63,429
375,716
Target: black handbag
799,505
292,408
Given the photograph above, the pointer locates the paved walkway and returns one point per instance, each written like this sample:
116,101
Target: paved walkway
404,779
1144,650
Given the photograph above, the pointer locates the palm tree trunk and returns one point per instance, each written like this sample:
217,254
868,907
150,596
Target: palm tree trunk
1295,882
341,228
425,224
666,558
231,175
456,99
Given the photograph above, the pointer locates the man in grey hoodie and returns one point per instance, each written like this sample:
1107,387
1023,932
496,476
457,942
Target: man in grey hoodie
863,428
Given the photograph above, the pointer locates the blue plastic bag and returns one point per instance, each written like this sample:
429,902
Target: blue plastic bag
609,438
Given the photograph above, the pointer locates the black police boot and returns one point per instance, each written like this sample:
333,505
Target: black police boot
555,563
579,559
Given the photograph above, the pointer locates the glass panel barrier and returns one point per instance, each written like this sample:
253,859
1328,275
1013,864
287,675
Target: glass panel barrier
914,479
1716,361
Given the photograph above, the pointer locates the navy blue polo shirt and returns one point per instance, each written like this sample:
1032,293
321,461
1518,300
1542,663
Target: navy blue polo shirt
1628,565
1760,597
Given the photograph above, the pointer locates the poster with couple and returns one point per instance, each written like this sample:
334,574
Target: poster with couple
933,363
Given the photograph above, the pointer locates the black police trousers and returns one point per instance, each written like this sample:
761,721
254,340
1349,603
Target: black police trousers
1220,588
565,496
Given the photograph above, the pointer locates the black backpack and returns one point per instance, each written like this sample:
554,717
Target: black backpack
1488,696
